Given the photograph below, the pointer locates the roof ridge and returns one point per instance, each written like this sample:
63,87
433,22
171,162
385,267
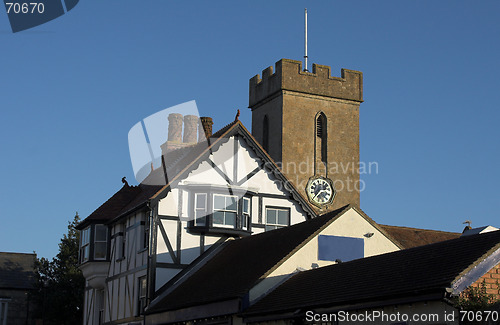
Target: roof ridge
413,228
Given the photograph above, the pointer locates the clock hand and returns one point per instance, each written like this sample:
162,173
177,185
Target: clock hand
318,194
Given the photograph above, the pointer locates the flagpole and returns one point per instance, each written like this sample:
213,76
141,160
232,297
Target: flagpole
305,42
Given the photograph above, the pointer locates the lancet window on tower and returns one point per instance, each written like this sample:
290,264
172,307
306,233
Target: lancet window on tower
265,134
321,143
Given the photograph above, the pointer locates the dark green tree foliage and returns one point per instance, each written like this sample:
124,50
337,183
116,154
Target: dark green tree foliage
60,284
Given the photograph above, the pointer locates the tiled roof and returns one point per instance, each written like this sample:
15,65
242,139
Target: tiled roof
17,271
405,273
413,237
235,269
126,199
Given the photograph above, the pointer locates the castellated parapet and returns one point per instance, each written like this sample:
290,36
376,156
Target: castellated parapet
289,76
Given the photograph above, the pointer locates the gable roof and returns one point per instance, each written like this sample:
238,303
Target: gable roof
406,273
180,162
17,270
240,264
127,199
414,237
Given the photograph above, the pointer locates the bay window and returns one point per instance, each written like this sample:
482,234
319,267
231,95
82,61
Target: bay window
94,243
220,212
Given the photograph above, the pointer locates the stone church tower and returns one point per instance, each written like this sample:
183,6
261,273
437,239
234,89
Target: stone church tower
309,124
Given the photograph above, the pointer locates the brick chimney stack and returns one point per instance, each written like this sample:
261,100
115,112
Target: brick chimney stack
205,129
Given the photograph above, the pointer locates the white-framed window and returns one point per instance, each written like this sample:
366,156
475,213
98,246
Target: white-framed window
200,209
100,242
245,218
225,210
4,306
84,245
142,295
277,218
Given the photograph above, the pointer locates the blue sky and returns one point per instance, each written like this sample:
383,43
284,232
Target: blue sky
72,88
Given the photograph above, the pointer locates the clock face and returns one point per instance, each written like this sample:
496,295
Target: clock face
320,191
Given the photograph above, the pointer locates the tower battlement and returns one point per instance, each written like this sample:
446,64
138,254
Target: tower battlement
289,76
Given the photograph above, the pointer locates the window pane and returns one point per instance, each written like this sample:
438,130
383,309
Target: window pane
271,216
200,218
84,236
246,205
201,201
86,253
219,202
230,218
231,203
244,220
100,250
283,217
101,233
218,218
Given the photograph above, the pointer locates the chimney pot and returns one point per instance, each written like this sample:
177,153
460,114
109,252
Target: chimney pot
190,128
175,127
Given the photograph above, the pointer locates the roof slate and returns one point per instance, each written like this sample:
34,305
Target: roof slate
17,270
407,272
414,237
234,270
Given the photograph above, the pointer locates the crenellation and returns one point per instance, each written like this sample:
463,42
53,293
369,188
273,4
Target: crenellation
289,76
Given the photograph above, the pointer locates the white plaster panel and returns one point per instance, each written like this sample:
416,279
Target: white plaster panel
255,209
168,205
224,157
184,213
162,254
247,160
210,240
190,246
206,174
265,183
121,298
